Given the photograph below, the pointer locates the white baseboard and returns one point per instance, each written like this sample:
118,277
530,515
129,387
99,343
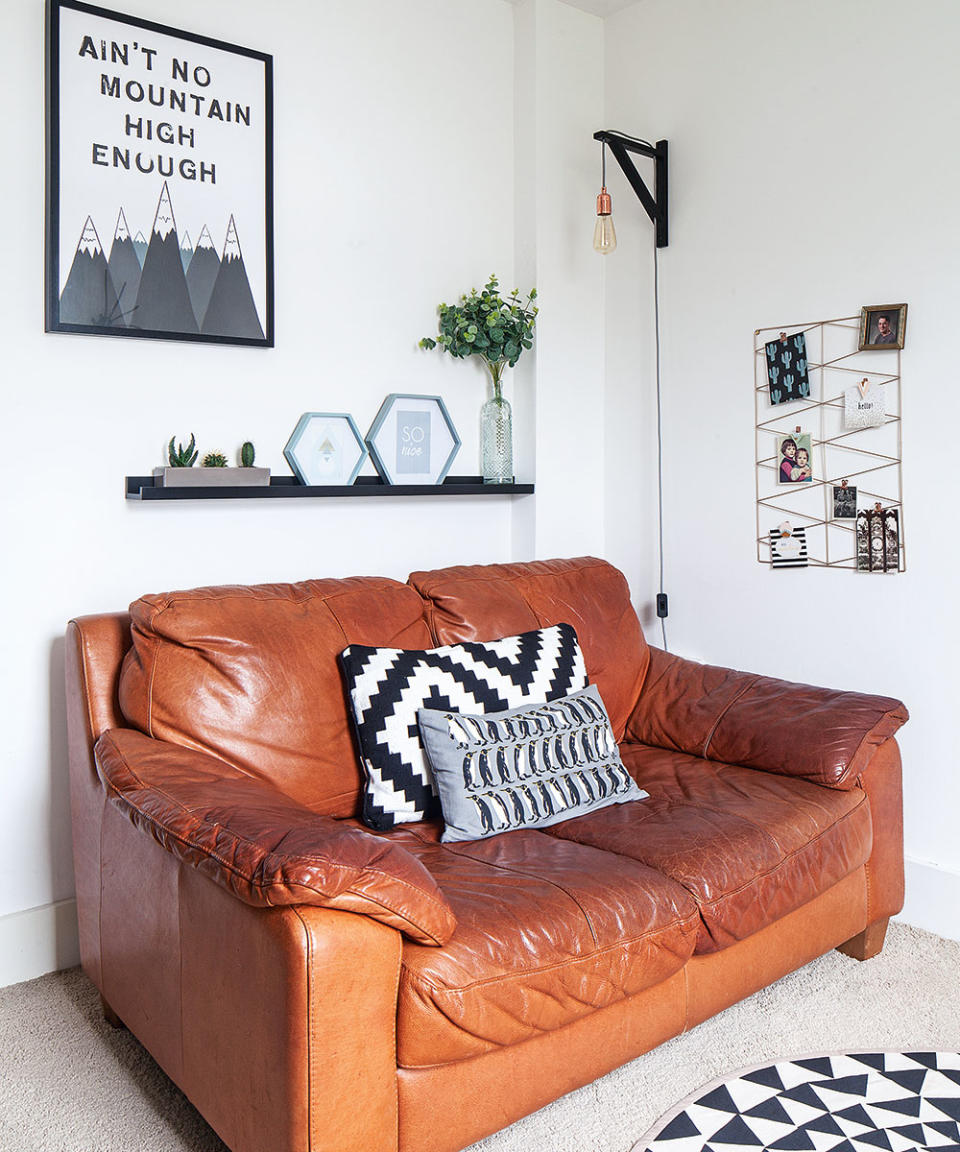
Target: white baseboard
37,941
933,898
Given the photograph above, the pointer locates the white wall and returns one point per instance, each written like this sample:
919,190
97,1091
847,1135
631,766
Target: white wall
813,171
395,180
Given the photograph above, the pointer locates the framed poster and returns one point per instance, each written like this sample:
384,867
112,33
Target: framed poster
159,181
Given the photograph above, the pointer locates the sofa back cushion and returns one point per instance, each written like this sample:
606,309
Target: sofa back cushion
250,674
484,602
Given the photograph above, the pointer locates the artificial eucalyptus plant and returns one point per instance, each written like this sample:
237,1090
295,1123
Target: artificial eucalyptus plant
486,324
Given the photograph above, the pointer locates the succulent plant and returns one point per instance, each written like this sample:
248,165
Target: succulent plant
181,457
247,454
214,460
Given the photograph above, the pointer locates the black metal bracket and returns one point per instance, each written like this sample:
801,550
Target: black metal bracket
656,205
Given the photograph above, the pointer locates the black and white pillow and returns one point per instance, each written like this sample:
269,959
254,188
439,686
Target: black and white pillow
388,686
528,767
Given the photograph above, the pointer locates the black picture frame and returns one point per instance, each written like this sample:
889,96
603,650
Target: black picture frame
135,115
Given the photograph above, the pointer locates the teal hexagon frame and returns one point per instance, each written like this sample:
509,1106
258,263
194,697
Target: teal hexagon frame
327,462
386,456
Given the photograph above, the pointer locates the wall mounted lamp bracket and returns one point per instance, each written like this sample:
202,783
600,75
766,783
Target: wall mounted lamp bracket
656,205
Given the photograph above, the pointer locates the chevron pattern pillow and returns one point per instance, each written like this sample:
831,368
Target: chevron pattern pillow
388,686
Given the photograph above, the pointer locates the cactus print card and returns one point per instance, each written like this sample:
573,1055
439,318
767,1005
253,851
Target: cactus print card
787,368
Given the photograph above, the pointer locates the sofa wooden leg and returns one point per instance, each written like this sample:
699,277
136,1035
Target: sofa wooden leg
868,943
109,1015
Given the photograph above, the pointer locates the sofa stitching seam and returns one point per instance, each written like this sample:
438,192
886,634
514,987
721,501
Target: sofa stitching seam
865,739
395,1025
399,915
309,982
691,920
151,677
716,724
594,562
85,669
522,872
866,866
379,582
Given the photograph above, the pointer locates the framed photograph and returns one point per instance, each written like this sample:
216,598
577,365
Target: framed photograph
794,459
844,501
882,326
412,440
787,375
326,448
159,215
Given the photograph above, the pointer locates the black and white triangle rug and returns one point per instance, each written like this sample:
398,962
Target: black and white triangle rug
858,1102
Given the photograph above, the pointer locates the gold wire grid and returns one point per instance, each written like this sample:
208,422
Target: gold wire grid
874,452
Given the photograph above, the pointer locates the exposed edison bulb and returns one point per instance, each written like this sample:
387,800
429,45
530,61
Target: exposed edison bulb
604,234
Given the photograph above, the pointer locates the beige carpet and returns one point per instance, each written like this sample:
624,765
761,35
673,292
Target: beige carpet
72,1084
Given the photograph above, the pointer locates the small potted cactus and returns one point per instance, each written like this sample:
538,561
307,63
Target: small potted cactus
214,470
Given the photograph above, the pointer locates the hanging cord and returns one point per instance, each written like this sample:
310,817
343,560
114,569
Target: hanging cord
656,326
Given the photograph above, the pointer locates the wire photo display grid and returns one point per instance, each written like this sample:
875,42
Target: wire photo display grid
868,459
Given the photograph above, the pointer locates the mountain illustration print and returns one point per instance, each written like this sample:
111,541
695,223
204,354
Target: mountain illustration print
161,283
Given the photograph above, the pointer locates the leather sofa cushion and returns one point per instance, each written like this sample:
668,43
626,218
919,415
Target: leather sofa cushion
547,932
750,846
484,602
250,674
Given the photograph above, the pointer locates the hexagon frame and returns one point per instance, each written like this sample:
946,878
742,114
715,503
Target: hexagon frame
302,468
386,463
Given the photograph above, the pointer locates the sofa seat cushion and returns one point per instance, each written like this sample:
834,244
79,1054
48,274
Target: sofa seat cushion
750,846
547,932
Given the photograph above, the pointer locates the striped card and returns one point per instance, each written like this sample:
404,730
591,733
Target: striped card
788,551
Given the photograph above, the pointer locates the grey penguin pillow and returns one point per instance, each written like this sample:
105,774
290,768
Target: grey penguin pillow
527,767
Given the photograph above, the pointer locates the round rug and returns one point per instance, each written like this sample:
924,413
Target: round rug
857,1102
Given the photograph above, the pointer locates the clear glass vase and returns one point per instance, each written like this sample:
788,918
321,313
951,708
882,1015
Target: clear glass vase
496,438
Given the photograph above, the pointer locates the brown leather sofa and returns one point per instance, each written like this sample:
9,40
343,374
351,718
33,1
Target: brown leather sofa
311,984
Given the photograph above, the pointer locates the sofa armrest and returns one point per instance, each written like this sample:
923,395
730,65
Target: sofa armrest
262,845
814,734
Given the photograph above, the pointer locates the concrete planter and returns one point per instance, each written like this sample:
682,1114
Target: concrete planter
213,477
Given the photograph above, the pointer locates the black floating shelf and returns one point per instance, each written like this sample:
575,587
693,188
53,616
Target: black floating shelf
289,487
